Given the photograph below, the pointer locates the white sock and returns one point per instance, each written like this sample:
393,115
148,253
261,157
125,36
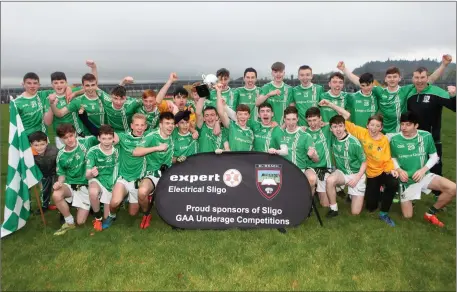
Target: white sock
70,220
334,207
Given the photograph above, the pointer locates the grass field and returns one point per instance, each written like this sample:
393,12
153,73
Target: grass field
348,253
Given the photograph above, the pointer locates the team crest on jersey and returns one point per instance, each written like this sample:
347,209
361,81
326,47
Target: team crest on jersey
426,99
269,179
411,146
33,104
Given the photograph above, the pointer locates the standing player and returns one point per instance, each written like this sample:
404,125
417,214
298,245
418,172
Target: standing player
71,185
351,164
297,146
240,136
277,93
334,95
228,94
102,171
414,154
249,93
392,99
305,95
363,104
157,148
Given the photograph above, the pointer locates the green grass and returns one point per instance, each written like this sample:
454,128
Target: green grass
348,253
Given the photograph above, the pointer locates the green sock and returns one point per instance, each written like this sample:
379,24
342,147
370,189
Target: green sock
432,210
383,213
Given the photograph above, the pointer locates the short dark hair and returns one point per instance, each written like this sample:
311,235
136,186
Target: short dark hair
38,136
64,129
31,75
243,108
88,77
250,69
366,78
58,76
290,110
166,116
210,108
265,104
105,130
337,75
421,69
278,66
377,117
119,90
305,67
223,73
410,117
313,112
180,91
393,70
336,120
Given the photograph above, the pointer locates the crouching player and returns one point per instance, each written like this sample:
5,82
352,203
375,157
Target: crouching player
102,171
157,148
351,164
414,153
71,185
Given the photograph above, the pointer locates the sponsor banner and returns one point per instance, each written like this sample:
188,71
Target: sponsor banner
233,189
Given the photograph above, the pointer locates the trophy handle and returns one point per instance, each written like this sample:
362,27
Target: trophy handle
203,76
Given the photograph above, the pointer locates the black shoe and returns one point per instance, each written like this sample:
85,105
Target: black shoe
331,214
341,194
37,211
282,230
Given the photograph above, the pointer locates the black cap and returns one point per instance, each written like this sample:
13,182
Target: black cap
181,115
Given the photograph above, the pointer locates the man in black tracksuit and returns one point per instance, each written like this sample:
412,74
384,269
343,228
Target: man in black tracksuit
427,102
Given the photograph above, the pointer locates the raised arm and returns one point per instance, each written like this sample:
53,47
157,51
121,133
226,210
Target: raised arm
446,60
91,64
199,111
163,91
351,76
126,80
221,107
341,111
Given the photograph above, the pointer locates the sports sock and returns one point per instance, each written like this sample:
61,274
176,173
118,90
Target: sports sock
432,211
70,220
98,214
334,207
383,213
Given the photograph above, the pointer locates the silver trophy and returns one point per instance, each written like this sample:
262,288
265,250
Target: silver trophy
209,81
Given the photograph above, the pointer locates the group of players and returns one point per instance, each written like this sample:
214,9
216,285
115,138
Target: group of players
110,147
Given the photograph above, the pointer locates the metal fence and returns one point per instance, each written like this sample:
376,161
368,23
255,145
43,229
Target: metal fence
135,90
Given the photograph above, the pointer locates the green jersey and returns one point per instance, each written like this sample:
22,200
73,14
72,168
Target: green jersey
278,102
107,165
70,118
72,164
305,98
32,110
340,100
348,154
92,106
240,139
131,168
361,107
120,119
266,137
298,143
248,97
208,142
152,118
228,95
392,105
156,159
412,153
322,140
185,145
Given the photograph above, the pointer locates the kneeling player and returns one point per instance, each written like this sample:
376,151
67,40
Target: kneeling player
71,185
157,149
351,164
101,171
414,153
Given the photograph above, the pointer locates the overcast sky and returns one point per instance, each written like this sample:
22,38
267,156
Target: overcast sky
150,40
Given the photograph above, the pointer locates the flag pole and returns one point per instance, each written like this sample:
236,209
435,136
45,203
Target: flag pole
35,191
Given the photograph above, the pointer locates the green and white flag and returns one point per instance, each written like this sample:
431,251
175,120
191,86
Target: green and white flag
22,175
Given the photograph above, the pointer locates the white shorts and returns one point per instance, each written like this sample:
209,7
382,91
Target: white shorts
155,180
359,189
79,198
414,191
321,188
104,196
130,187
59,143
